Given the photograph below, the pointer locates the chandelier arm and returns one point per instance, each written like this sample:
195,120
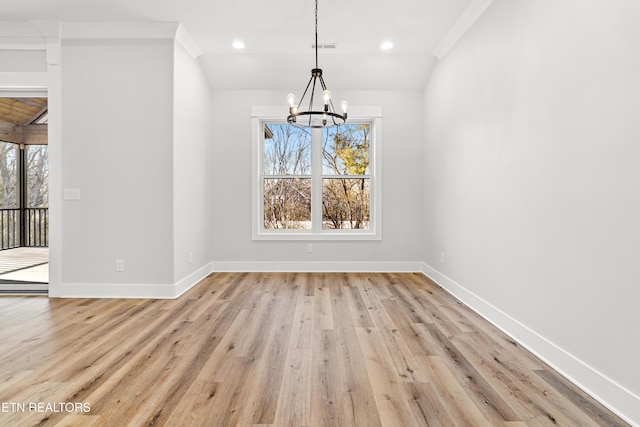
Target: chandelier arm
336,118
313,91
324,86
305,91
333,119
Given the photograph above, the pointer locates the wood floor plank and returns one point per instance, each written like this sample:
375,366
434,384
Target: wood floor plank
82,420
358,308
294,398
356,399
411,332
323,315
393,407
492,404
396,348
587,407
427,405
279,349
326,380
452,395
260,407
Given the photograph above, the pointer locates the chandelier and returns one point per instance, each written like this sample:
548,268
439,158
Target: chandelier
322,115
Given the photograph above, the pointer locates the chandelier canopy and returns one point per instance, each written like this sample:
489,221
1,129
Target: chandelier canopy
322,115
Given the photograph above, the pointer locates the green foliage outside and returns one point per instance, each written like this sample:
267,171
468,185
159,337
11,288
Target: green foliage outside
345,201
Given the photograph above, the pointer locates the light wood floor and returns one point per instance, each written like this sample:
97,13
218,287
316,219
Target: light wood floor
279,349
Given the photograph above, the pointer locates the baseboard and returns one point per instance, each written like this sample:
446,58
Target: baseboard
193,279
135,291
113,290
318,266
171,291
618,399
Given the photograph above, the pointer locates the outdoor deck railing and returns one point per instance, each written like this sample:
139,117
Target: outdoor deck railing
30,229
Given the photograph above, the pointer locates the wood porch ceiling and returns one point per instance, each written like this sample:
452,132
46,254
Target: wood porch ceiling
21,120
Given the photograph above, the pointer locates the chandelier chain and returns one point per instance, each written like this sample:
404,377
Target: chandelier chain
325,115
316,33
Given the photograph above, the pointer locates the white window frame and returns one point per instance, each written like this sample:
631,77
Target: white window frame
261,115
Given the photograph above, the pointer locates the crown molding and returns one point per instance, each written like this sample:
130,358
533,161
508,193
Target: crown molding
468,17
131,31
47,35
48,28
119,31
187,42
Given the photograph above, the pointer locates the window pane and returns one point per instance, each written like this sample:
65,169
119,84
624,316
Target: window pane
287,203
37,176
8,175
345,150
287,150
345,203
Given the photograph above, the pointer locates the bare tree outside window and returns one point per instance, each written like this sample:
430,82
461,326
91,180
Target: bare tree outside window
37,176
8,175
345,183
23,222
287,177
342,184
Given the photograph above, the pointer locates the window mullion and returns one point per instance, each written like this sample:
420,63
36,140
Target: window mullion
316,180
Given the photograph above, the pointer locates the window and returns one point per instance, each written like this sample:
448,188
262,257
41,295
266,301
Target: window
316,184
9,189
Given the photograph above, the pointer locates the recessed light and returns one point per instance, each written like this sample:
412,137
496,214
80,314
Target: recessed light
238,44
386,45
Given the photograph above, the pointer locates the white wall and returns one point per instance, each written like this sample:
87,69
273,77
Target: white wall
130,127
117,133
22,60
192,135
532,125
231,188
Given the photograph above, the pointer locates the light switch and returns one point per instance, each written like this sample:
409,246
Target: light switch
72,194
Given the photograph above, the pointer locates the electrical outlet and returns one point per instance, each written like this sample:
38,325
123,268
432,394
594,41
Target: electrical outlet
190,257
309,248
442,258
119,265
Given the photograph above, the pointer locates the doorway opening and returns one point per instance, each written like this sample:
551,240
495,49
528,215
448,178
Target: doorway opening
24,195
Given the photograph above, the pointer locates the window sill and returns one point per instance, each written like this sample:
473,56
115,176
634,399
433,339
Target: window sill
328,236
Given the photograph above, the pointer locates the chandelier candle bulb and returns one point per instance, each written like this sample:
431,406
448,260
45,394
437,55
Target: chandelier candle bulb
344,105
326,96
291,98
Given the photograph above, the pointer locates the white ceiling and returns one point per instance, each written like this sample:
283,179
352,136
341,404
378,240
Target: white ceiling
278,36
